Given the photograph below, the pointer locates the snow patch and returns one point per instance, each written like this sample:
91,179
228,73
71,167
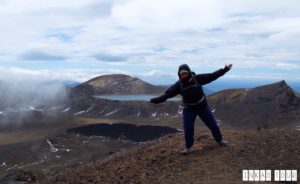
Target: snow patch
1,112
10,110
53,149
35,109
110,113
54,108
67,150
12,167
103,110
298,127
139,114
80,112
66,110
3,164
213,110
153,114
90,108
31,108
34,163
165,114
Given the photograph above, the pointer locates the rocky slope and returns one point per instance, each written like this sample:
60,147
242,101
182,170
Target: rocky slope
273,105
100,108
118,84
160,162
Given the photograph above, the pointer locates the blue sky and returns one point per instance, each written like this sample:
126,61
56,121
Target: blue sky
78,40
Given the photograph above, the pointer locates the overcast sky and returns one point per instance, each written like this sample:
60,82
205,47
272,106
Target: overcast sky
81,39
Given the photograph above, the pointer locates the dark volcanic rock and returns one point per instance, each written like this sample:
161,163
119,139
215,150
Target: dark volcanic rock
93,107
274,105
124,131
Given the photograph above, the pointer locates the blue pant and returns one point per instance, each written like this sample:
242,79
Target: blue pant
189,117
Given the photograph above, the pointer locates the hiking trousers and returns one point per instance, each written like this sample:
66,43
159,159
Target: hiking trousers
189,117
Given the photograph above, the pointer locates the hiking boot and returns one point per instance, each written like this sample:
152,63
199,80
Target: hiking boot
223,143
185,151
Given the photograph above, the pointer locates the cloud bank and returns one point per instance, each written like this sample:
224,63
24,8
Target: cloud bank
141,37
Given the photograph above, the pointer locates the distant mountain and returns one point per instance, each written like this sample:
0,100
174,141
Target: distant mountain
273,105
223,84
208,91
117,84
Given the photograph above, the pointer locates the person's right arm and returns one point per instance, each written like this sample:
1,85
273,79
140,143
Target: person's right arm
170,93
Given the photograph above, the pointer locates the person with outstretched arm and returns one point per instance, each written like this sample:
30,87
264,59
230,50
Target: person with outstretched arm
189,86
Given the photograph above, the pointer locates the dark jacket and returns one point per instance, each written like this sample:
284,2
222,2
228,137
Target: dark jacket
192,79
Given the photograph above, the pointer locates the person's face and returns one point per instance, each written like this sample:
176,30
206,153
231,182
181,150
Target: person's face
184,75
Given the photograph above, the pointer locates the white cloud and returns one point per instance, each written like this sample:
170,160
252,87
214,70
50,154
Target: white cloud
168,15
153,35
287,38
264,77
287,66
19,75
10,74
21,7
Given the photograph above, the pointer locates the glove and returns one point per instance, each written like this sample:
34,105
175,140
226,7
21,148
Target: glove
157,100
227,67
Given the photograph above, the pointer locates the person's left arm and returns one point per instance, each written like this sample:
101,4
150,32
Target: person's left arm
209,77
170,93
